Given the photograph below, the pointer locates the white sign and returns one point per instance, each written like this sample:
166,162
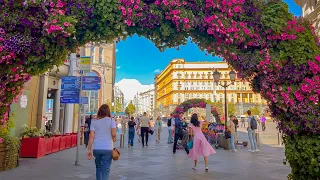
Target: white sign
23,101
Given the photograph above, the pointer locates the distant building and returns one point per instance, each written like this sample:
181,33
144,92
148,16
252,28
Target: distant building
145,102
182,80
311,11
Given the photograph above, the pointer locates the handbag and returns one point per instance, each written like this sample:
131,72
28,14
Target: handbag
190,145
227,134
115,154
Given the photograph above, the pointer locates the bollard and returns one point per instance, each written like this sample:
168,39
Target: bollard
121,140
258,139
280,140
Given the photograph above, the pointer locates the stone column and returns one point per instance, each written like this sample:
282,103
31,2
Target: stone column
56,108
42,101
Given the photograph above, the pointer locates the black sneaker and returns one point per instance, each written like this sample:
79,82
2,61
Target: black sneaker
174,152
146,144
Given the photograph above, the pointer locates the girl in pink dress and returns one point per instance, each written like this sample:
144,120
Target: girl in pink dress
201,146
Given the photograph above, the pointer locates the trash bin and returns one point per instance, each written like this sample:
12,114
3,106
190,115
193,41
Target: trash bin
258,139
121,140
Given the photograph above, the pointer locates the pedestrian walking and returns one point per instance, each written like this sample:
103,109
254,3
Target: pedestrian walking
232,129
201,146
243,121
252,126
145,126
124,125
87,130
263,122
158,128
181,132
138,129
102,137
170,128
131,125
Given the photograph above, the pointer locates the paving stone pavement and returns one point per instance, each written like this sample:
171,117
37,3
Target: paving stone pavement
157,162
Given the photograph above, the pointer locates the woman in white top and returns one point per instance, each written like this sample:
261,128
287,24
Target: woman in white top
158,128
102,136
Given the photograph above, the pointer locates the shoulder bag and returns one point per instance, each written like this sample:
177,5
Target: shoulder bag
115,153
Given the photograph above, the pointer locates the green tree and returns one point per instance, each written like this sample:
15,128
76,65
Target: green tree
130,109
255,110
231,109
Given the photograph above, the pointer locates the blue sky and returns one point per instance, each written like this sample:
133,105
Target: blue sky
138,58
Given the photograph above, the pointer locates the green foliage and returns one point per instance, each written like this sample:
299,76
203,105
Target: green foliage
255,110
231,109
303,156
130,109
12,148
275,16
32,132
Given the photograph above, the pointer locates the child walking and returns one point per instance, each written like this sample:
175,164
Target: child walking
201,146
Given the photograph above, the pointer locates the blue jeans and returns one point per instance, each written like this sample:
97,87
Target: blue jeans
252,139
131,136
232,142
103,159
170,136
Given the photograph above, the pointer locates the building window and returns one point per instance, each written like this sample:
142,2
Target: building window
100,54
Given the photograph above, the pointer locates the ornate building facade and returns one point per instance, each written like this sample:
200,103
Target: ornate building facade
182,80
145,102
311,11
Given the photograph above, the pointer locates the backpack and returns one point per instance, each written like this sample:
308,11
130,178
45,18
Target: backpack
169,122
253,123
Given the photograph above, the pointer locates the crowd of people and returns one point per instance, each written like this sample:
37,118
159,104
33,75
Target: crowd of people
100,134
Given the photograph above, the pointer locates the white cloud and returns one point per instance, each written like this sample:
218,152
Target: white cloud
130,87
118,67
157,71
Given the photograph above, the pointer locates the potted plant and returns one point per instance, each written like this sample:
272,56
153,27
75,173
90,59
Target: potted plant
48,142
56,141
32,143
68,141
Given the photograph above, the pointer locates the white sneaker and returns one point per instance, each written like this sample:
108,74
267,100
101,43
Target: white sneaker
235,150
250,150
257,150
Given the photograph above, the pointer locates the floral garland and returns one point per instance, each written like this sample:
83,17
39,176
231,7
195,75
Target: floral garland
194,103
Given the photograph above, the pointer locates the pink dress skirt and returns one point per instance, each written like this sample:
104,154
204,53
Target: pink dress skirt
201,147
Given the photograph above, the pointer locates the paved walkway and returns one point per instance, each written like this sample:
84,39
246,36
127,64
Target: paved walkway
157,162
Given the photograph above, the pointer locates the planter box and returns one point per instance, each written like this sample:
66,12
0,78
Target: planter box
68,141
33,147
63,140
74,140
56,144
49,143
2,156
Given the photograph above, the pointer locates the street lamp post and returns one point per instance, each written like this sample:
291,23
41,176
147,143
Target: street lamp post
216,76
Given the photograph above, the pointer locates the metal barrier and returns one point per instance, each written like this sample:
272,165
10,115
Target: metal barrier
121,140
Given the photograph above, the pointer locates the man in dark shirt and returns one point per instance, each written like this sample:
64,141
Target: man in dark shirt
180,129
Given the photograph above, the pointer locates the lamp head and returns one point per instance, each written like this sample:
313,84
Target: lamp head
232,75
216,76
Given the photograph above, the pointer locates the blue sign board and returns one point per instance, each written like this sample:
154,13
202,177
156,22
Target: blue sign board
70,79
84,100
91,87
68,100
91,80
70,90
70,86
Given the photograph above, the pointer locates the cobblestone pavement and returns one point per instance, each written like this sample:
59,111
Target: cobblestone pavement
157,162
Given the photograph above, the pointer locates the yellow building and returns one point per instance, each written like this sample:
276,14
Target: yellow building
311,11
182,80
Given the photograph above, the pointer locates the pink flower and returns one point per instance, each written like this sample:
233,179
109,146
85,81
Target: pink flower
54,21
136,7
242,24
66,24
61,12
14,69
185,20
1,48
184,3
1,140
318,58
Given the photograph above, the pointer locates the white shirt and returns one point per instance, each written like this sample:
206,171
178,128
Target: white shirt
172,123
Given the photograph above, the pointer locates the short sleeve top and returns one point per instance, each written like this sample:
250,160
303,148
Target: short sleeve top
102,133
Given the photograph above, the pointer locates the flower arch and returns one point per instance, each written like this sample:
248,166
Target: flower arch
193,103
260,39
